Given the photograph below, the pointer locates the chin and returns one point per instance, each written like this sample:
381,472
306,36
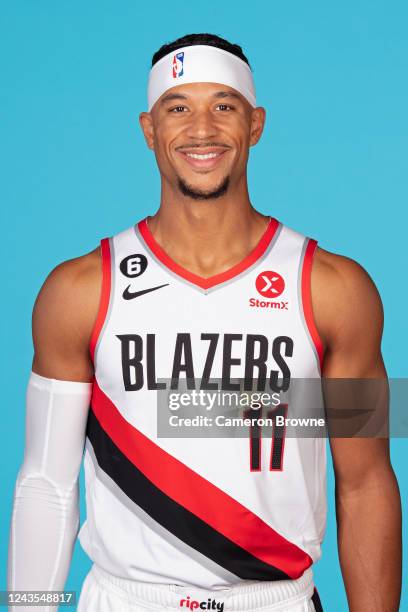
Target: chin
201,192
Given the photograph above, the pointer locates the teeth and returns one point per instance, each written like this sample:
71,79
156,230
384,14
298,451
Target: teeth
205,156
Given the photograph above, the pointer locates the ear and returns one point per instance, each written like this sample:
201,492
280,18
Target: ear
257,125
146,123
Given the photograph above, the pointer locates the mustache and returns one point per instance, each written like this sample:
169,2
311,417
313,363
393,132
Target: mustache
203,145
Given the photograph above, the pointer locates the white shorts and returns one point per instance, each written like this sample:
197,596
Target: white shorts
103,592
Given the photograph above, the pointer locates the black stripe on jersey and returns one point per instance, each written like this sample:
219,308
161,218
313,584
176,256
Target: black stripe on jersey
316,601
170,514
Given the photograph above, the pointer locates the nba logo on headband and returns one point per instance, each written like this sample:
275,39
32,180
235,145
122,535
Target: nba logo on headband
178,65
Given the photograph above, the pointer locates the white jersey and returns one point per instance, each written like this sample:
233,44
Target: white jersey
200,509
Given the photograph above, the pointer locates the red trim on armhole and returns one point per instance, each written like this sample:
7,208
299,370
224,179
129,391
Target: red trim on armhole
307,299
105,296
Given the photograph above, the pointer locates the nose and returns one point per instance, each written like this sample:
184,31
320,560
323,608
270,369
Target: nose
202,125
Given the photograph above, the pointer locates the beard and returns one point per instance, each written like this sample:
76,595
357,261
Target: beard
199,194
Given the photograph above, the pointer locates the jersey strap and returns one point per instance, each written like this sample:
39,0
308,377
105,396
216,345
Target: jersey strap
105,295
306,273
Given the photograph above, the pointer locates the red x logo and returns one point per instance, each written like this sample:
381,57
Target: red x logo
270,284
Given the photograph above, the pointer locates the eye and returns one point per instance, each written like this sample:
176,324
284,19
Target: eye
224,107
178,109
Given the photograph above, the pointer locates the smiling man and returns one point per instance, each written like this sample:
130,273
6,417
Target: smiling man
211,293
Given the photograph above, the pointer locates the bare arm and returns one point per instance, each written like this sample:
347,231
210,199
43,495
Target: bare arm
349,316
63,317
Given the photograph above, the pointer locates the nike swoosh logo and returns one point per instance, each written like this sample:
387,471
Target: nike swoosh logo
128,295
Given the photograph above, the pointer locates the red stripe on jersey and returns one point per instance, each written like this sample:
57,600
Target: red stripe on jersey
104,297
206,283
307,299
198,495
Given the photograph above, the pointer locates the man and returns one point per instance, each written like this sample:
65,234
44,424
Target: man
207,289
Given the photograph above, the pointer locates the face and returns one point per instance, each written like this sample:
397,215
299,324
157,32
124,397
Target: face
201,134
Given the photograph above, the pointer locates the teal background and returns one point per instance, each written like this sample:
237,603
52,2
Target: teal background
332,162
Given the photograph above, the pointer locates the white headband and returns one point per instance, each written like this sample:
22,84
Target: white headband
200,64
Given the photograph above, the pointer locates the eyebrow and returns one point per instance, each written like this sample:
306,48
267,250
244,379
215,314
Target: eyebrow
227,94
173,96
218,94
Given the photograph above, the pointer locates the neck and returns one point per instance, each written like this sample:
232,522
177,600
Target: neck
207,236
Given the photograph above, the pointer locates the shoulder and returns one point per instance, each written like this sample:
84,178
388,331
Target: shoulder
70,282
343,275
344,296
66,306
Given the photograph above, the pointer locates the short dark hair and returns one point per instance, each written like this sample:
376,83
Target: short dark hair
200,39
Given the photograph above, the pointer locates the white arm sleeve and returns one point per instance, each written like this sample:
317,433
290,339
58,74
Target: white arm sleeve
45,517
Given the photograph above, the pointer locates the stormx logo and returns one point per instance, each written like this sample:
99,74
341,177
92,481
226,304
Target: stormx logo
178,65
270,285
254,302
193,604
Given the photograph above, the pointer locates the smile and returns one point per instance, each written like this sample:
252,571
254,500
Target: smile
202,156
205,161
